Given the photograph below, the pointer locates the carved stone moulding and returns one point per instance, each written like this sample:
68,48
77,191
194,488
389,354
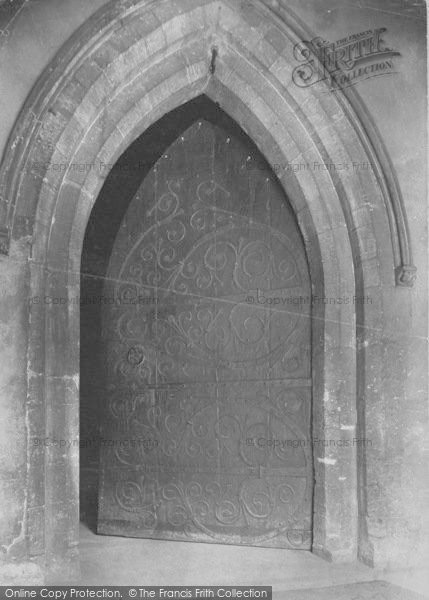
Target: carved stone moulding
34,117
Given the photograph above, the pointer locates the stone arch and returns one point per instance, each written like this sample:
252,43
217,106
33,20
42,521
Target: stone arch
131,63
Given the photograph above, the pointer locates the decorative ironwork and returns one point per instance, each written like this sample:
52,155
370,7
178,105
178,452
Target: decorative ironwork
208,355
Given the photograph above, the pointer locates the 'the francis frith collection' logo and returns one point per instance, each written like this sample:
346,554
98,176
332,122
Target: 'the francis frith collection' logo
344,62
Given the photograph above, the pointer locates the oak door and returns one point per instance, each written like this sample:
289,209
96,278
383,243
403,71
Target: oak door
207,342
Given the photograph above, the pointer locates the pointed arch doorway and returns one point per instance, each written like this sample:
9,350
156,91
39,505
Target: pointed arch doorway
204,378
129,65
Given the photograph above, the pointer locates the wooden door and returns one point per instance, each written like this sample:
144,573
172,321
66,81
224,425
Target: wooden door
207,340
